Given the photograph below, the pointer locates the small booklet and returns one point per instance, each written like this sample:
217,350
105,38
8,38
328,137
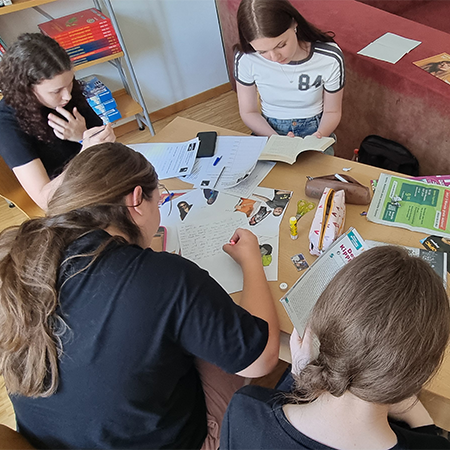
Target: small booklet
438,66
301,298
286,149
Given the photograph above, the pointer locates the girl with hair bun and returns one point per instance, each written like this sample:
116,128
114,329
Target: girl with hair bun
382,325
295,69
105,343
44,118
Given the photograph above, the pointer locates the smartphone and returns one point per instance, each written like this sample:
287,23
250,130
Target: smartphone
207,146
159,240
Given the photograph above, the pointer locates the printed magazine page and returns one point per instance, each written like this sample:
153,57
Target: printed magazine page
410,204
301,298
437,260
438,66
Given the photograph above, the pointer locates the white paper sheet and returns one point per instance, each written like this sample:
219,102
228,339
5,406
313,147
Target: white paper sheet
248,186
170,159
202,243
239,157
234,160
390,48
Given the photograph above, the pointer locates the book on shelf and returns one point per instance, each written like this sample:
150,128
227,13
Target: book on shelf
94,90
286,149
110,116
96,55
100,99
72,24
91,46
105,51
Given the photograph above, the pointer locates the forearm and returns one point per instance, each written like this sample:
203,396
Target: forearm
258,301
329,122
256,122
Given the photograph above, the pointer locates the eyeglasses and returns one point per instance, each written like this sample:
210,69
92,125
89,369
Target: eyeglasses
164,197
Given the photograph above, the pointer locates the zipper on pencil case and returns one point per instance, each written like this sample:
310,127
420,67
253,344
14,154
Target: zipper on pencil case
329,201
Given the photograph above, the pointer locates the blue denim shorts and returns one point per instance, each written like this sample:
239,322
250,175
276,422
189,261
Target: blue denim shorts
300,127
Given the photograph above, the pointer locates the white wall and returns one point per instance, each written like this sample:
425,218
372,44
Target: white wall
174,45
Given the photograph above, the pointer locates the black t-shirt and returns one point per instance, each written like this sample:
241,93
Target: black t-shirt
18,148
255,420
136,321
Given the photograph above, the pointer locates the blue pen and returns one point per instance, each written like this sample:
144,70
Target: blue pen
169,197
217,161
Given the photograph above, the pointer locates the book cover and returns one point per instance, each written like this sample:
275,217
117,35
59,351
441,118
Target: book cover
286,149
110,116
84,38
73,22
105,106
438,66
91,46
96,55
94,90
110,48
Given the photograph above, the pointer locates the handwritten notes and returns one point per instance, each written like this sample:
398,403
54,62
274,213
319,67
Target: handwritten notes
202,243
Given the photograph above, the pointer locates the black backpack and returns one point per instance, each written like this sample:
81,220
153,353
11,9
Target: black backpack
381,152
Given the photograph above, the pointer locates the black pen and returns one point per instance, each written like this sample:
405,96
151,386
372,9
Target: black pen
92,135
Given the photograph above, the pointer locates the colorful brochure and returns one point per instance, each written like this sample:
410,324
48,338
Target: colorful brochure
414,205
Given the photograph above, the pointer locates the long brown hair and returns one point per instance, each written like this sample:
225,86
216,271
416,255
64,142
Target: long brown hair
383,324
270,18
91,196
31,59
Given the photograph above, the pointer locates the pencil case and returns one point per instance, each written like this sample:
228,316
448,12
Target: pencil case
355,192
328,222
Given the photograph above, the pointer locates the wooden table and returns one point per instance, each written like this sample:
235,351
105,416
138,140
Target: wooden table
293,177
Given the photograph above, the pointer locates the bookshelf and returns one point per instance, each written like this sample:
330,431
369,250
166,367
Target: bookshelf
18,5
129,105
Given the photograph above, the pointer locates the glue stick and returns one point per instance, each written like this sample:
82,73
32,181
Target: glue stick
293,227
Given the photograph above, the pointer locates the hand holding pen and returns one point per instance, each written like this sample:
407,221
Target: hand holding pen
97,135
243,247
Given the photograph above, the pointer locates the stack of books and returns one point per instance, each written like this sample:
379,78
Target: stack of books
100,98
85,35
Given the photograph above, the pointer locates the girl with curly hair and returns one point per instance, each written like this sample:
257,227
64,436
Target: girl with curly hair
44,116
376,335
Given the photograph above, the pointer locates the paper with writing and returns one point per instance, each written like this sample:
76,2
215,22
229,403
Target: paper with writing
202,243
170,159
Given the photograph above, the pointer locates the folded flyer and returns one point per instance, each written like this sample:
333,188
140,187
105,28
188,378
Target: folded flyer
411,204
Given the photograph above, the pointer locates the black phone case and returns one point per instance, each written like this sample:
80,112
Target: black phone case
207,145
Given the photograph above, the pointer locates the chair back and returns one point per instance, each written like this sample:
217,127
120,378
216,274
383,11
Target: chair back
11,189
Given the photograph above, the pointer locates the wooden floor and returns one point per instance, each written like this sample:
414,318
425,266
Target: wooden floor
221,111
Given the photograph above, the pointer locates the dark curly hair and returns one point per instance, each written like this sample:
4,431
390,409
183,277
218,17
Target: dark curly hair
30,60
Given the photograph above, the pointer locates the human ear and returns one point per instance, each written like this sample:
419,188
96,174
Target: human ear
136,200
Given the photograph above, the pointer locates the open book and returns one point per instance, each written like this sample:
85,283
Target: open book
286,149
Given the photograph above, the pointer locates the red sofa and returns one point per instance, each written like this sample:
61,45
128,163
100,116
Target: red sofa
397,101
433,13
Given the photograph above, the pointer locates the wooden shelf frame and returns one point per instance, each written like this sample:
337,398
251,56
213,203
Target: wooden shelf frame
19,5
126,104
